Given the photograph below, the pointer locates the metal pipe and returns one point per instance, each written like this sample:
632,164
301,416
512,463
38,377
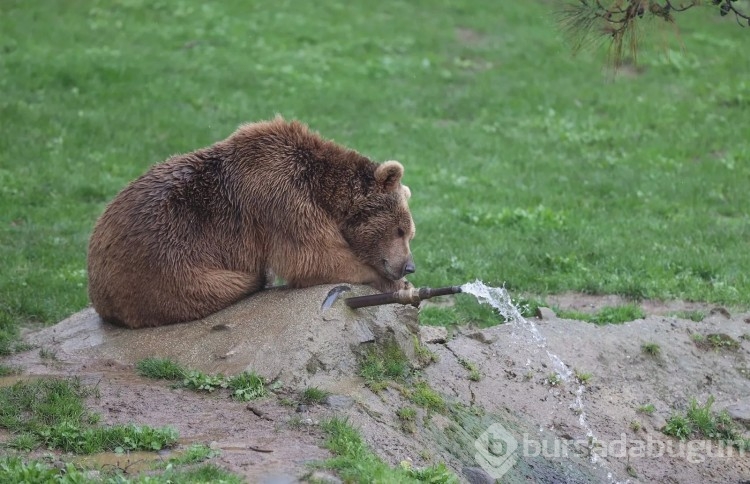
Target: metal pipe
404,296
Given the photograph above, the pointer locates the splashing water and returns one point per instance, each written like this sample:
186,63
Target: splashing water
500,300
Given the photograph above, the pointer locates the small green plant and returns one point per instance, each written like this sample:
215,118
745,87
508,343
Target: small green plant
438,473
314,395
701,421
635,425
247,386
474,374
618,314
572,314
46,354
606,315
354,462
651,349
553,379
160,369
529,308
716,342
582,377
696,316
201,382
6,370
382,363
295,422
423,354
407,414
13,469
426,397
647,409
678,426
25,442
193,454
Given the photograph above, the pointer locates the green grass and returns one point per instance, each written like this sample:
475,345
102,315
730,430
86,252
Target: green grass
583,377
198,381
716,342
424,355
554,379
424,396
245,386
51,413
407,414
314,395
381,363
160,369
647,409
474,374
528,166
651,349
700,421
355,462
194,454
607,314
7,370
696,315
13,469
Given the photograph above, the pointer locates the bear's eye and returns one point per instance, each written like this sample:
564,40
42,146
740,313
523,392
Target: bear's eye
400,232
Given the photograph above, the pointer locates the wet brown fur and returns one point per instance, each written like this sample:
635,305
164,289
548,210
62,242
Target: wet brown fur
200,231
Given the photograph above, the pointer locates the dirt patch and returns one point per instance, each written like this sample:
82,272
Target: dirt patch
524,390
588,303
281,442
468,36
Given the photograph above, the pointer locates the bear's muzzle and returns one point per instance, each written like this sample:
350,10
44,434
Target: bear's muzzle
409,267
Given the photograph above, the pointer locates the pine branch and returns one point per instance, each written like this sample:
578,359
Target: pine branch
587,21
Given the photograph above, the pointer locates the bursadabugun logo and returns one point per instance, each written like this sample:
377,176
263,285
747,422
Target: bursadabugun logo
496,451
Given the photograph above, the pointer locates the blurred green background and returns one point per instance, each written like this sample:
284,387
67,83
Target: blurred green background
528,166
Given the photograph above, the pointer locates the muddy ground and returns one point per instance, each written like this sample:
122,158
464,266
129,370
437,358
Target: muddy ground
551,429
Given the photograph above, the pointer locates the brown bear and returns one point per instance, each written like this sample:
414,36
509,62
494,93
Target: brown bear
200,231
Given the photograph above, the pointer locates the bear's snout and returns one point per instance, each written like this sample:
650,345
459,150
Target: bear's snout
409,268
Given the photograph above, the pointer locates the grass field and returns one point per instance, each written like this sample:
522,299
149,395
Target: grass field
529,166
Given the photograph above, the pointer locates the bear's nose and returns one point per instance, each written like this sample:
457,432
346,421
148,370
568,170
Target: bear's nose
410,268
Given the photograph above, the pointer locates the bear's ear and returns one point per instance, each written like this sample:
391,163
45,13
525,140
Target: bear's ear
388,175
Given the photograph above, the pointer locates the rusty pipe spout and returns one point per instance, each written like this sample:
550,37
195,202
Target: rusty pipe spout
404,296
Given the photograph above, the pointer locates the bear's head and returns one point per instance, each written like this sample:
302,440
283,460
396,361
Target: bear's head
379,226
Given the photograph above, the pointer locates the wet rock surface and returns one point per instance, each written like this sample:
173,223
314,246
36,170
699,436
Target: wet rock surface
563,431
281,334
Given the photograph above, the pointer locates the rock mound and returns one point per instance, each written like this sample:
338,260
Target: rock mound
281,334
